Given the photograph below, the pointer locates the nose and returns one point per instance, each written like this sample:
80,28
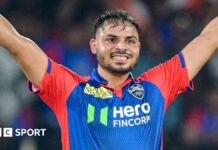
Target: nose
121,46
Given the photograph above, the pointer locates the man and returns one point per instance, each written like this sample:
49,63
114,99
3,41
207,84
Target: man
111,109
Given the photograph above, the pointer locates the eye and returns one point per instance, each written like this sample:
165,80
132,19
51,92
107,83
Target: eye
131,41
111,39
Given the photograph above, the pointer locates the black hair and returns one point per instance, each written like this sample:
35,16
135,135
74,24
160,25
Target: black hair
114,17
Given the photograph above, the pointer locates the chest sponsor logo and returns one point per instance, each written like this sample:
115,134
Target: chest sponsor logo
103,115
137,91
126,116
100,92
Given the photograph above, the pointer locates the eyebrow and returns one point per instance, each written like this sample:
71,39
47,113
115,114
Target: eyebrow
128,37
111,35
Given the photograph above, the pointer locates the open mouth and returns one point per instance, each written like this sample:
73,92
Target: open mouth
120,58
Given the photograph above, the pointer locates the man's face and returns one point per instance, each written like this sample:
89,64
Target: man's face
117,47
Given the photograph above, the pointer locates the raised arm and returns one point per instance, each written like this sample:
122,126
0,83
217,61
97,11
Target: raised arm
28,55
200,50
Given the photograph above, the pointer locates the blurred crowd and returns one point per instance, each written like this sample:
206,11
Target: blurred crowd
62,28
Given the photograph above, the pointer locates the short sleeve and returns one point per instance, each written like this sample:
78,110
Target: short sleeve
170,77
57,84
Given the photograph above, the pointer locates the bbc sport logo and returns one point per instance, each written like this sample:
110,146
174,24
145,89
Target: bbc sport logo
10,132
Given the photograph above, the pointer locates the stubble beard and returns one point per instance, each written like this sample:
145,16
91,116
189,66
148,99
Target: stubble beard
115,70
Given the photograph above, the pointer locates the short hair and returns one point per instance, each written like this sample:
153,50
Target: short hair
114,17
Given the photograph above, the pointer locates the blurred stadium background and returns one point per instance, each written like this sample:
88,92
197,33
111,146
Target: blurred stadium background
62,28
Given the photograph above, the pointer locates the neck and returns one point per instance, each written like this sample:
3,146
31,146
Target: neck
114,80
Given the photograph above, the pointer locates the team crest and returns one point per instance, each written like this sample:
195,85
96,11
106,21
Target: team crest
137,91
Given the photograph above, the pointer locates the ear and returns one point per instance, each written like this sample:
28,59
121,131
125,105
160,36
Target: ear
140,45
93,45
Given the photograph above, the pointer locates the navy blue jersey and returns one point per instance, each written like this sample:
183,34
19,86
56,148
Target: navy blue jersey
93,116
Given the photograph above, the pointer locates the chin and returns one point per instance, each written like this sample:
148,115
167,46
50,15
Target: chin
120,69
